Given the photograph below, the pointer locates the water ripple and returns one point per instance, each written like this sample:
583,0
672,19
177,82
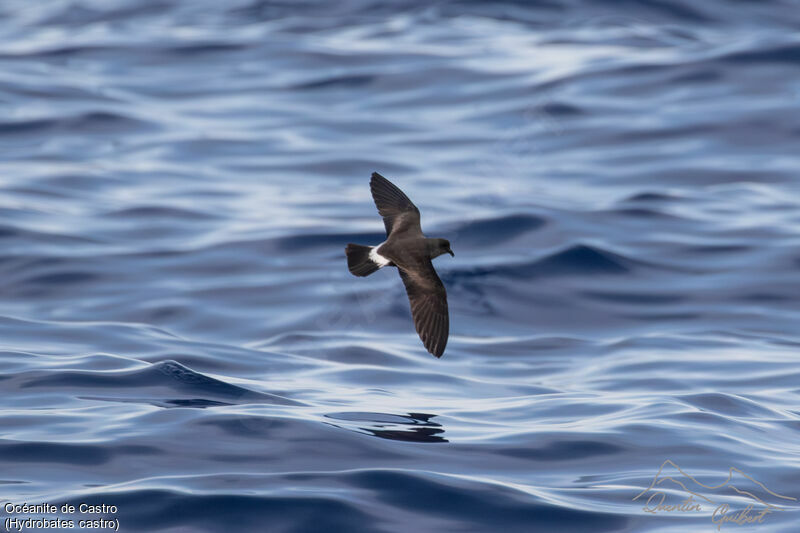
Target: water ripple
180,336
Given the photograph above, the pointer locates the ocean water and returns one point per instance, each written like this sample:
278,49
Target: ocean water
180,337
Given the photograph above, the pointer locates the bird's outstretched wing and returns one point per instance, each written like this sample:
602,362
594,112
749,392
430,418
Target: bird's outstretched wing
428,300
398,212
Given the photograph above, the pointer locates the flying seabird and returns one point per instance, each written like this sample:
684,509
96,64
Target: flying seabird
411,252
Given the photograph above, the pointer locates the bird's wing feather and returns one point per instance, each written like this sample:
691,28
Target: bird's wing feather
398,212
428,300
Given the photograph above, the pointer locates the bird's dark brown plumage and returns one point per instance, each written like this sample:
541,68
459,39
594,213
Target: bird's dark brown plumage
428,300
407,248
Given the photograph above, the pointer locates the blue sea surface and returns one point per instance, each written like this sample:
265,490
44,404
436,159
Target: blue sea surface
180,337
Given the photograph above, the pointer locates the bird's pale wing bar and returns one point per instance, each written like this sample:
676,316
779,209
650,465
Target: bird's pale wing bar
398,212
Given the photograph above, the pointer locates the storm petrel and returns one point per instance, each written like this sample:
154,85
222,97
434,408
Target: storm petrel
407,248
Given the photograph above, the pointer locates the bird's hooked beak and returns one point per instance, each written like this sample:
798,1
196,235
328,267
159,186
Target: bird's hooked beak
449,251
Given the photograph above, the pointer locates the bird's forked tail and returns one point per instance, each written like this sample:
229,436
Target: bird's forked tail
359,261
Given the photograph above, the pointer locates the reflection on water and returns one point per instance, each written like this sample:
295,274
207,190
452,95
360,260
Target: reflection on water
180,336
414,427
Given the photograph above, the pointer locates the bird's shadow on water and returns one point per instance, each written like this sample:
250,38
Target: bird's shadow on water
413,427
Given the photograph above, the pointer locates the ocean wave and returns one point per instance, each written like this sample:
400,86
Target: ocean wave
177,382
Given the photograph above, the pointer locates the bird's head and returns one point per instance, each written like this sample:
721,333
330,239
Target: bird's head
441,246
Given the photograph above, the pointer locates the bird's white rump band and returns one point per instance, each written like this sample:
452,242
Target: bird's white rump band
377,258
